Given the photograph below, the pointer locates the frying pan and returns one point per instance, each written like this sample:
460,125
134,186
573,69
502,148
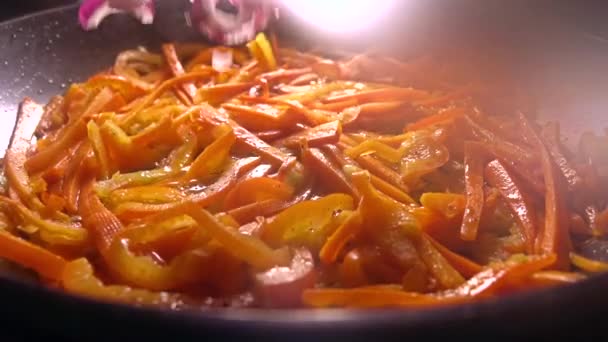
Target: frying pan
556,51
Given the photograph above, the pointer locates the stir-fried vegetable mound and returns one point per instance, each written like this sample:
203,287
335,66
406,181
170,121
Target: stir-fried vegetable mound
267,177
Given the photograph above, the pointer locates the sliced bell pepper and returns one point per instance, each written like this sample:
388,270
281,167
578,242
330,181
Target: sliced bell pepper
27,254
51,232
79,278
256,190
306,223
213,158
129,211
145,194
335,243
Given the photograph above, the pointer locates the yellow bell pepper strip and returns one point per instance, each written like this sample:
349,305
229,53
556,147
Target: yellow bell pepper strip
261,50
51,232
128,89
245,138
375,147
79,278
521,206
448,205
100,150
336,242
54,152
161,132
444,116
27,254
385,187
374,166
249,249
306,223
101,223
126,154
327,133
214,157
145,194
18,179
422,154
447,276
129,211
381,95
220,93
387,222
326,172
473,177
128,118
587,264
555,236
184,154
260,118
104,188
464,266
177,69
256,190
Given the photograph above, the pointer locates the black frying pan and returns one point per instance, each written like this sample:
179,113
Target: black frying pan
558,53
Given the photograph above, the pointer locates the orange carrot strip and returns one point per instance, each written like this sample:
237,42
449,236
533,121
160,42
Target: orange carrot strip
385,94
24,253
555,237
247,213
101,223
473,177
274,156
329,175
443,116
328,133
339,238
56,150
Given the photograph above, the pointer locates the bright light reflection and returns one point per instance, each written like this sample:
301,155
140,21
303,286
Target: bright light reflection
340,15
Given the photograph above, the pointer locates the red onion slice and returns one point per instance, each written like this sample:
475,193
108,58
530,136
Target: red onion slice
92,12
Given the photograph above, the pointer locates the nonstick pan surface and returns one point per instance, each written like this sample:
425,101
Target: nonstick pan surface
43,53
